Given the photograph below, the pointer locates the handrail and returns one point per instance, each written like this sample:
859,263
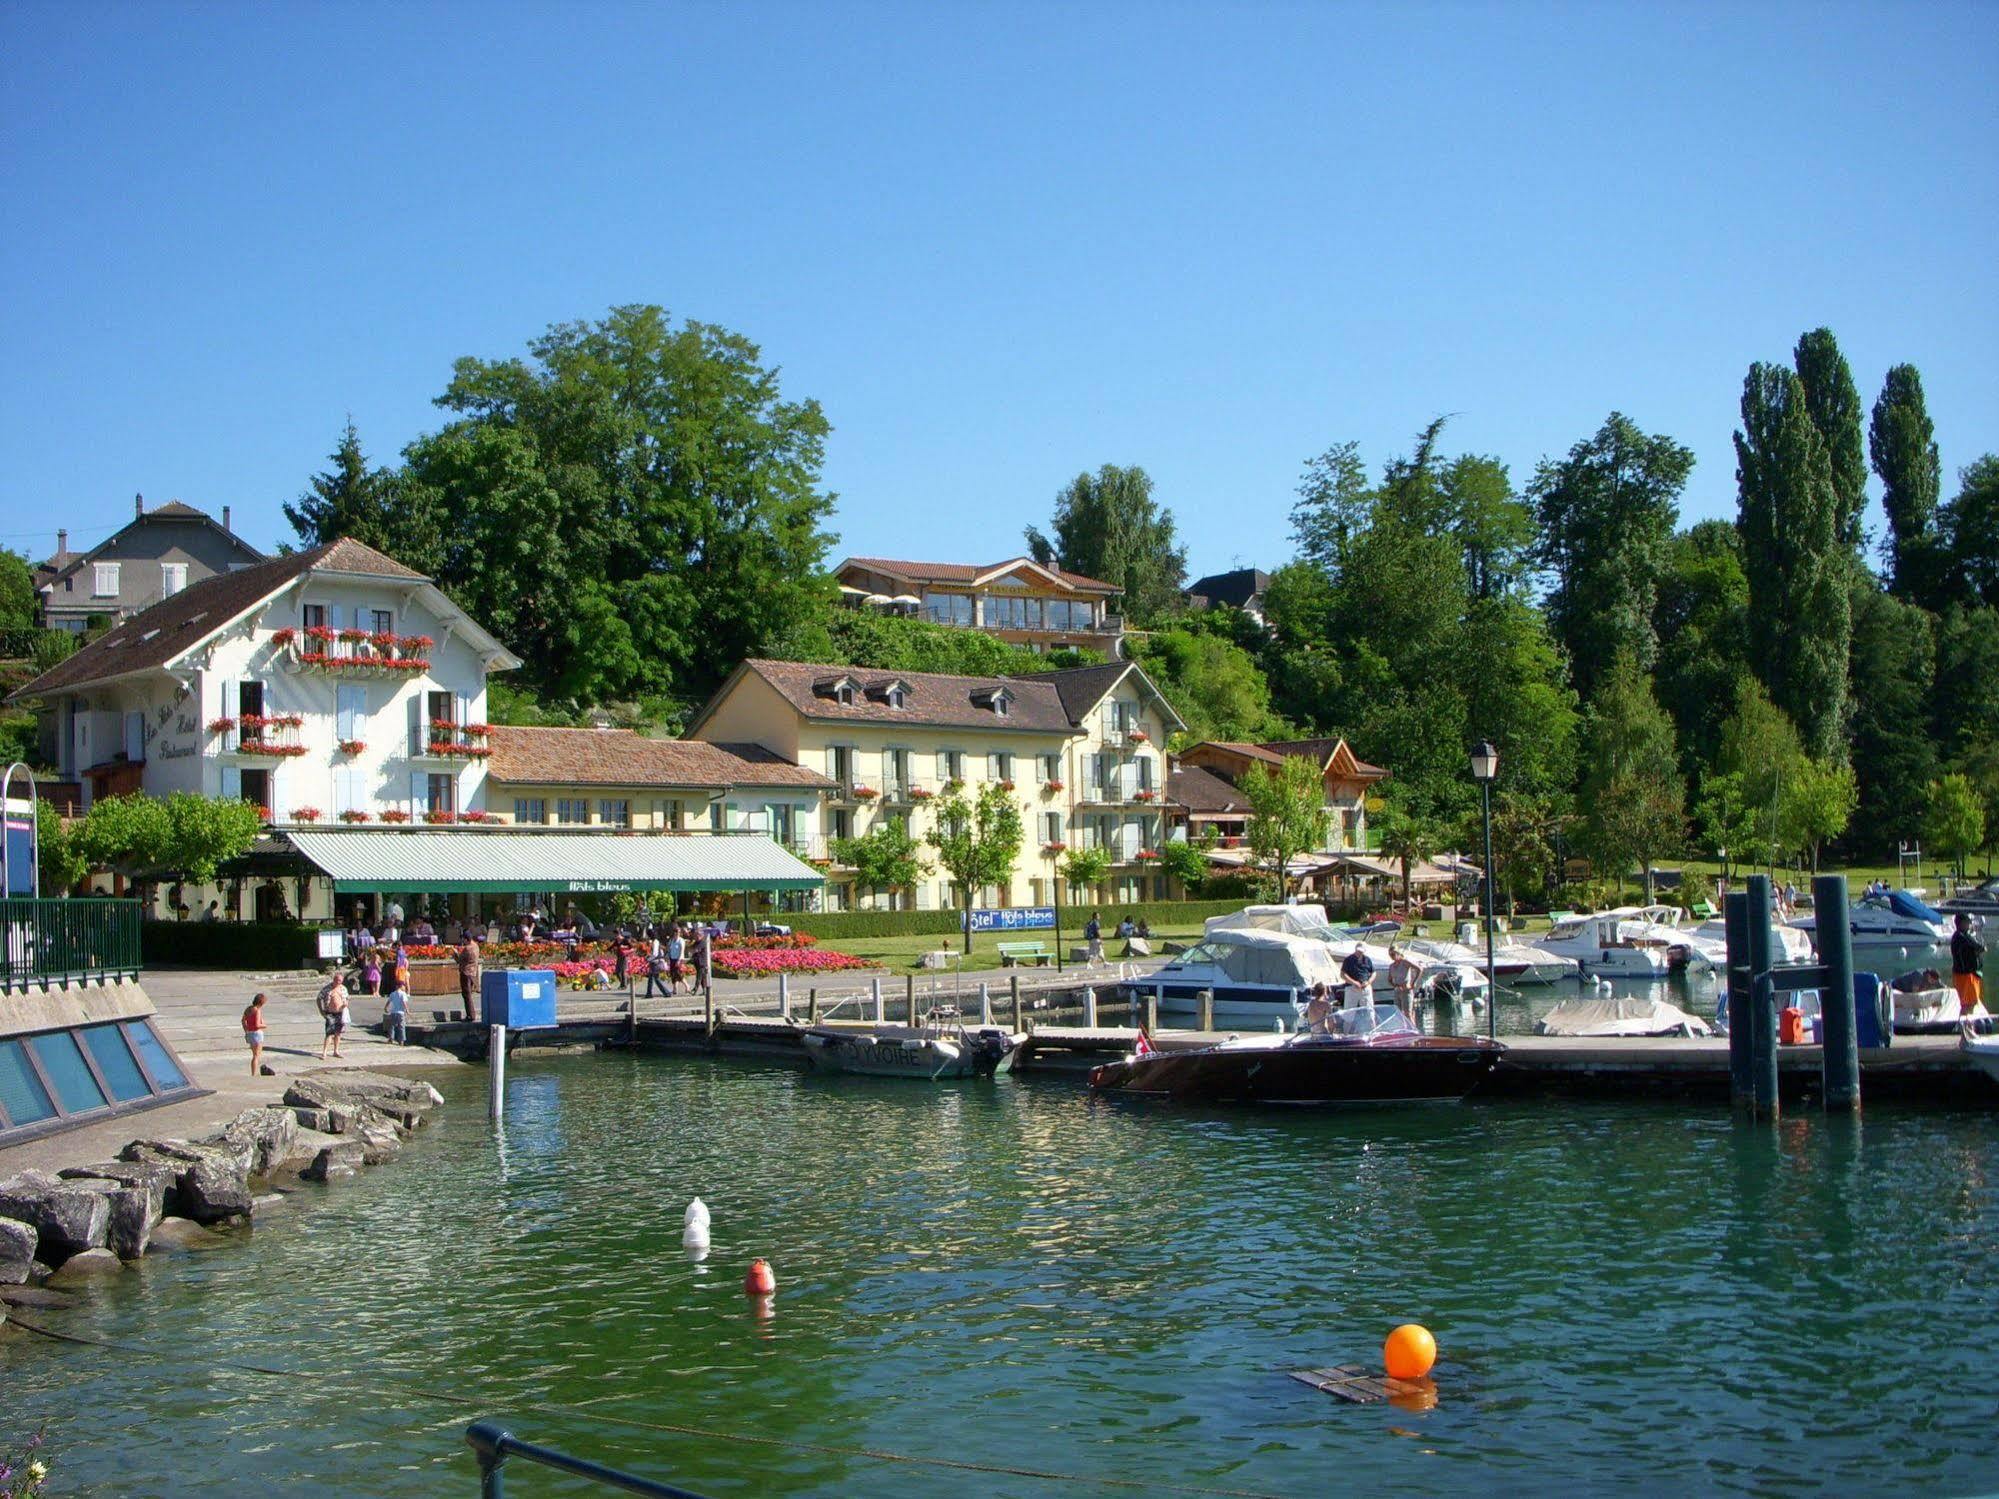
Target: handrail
494,1444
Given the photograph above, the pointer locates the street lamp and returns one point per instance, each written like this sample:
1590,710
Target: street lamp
1484,770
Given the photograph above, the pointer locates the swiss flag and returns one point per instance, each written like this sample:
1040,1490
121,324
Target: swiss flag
1144,1047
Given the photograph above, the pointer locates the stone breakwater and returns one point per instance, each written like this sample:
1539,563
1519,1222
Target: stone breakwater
167,1195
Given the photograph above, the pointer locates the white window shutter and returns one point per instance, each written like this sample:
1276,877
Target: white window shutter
229,711
343,727
464,709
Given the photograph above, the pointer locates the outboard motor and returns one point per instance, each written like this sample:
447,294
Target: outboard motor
1445,990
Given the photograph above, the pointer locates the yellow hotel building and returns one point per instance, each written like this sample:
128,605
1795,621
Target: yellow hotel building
1083,751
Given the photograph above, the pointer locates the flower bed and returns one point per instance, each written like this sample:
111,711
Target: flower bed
737,963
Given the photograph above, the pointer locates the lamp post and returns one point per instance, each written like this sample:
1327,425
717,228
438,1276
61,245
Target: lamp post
1484,768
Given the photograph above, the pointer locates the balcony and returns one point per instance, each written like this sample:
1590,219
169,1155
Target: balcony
904,793
270,736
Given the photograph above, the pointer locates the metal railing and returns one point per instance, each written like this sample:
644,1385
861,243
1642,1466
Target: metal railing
61,939
494,1445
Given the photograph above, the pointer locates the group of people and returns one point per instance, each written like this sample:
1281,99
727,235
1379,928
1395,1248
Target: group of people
1126,930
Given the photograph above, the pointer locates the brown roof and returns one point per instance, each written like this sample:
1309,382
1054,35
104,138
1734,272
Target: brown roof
1200,790
964,572
1322,751
155,636
1247,751
935,700
619,757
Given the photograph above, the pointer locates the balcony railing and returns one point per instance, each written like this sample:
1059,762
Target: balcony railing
69,939
905,792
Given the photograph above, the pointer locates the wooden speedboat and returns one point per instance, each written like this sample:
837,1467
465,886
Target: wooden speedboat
933,1053
1369,1054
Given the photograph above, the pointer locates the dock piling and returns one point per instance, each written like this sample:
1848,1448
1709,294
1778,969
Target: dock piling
496,1073
784,996
1090,1008
1836,1001
1152,1013
909,995
1735,917
1207,1009
985,1003
1762,1016
812,1006
875,991
1013,984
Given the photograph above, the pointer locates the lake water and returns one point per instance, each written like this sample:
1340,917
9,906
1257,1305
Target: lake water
1635,1299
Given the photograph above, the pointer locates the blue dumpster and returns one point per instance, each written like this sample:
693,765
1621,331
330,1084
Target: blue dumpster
518,998
1873,1011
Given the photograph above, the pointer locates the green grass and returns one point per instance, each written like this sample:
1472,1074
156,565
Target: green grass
901,953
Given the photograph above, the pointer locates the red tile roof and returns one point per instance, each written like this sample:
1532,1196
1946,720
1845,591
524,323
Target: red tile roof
963,572
619,757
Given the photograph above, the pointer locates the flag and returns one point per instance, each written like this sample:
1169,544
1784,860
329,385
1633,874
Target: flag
1144,1047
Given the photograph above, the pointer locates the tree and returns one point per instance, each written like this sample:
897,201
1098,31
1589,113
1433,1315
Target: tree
633,508
886,858
1335,504
1902,442
1524,829
1493,527
1406,831
1213,684
1287,814
1702,621
1794,556
18,609
1833,403
1108,527
1086,868
1965,700
352,499
1815,806
1633,800
1970,534
1894,666
183,837
1729,824
1953,820
126,833
1760,750
63,867
1186,859
977,843
1606,512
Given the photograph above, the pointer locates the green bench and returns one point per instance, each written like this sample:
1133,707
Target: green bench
1703,910
1014,954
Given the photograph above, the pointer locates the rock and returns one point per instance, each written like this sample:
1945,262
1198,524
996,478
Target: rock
267,1135
309,1143
208,1187
134,1211
320,1121
155,1176
378,1145
171,1235
17,1251
35,1296
38,1273
335,1161
87,1266
67,1217
341,1118
319,1090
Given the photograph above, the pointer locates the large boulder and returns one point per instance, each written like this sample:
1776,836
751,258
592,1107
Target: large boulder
67,1217
134,1211
341,1159
261,1138
378,1144
17,1251
178,1235
209,1186
318,1090
87,1266
156,1177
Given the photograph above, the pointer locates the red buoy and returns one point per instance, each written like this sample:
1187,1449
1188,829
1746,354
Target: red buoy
760,1281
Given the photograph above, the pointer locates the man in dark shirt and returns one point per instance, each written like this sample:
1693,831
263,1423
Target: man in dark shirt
1358,971
1967,957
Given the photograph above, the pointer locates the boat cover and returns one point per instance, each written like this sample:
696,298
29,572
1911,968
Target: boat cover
1633,1015
1286,961
1904,904
1303,921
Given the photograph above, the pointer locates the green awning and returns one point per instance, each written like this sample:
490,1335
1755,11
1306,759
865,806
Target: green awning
476,861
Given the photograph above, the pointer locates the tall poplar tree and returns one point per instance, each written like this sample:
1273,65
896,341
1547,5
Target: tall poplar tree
1902,443
1833,403
1108,526
1798,565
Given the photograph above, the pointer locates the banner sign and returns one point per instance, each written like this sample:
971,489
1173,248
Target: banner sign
1013,919
20,838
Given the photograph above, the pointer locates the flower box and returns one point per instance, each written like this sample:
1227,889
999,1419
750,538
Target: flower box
352,746
1051,787
956,783
440,819
351,636
274,751
478,817
384,642
321,633
394,816
1137,736
476,730
265,814
221,725
305,814
921,793
356,816
864,793
1057,847
451,749
271,721
1147,855
284,639
1004,785
1145,796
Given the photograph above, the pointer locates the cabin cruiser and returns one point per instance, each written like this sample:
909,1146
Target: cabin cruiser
1516,962
1609,942
1788,944
1260,974
1977,900
1366,1054
1309,920
1890,928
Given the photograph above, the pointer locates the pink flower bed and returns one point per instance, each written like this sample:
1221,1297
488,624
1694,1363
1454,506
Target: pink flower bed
762,963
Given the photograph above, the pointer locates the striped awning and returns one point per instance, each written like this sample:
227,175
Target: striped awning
476,861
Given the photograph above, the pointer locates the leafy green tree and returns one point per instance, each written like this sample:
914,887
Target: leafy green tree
1833,403
1492,525
18,608
1632,800
1606,512
885,858
1086,868
1516,693
1795,557
129,834
978,843
1212,683
1970,534
1728,824
1953,820
353,499
51,649
1815,806
63,866
1760,750
1107,526
1186,859
1525,828
887,642
1965,700
1902,443
1335,504
1894,667
203,832
1287,814
633,508
1406,830
1979,765
1702,621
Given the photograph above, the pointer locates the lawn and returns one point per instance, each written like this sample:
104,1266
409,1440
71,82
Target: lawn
900,954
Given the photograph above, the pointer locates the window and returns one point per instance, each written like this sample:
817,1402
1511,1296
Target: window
173,578
840,823
1001,701
384,621
948,608
840,765
1051,767
104,580
572,809
159,1061
442,705
250,699
530,810
350,713
313,616
22,1095
1013,613
953,762
115,1064
441,793
257,788
898,697
615,812
844,694
62,1060
1051,827
999,766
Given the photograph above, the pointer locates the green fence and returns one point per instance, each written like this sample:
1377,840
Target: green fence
69,939
229,944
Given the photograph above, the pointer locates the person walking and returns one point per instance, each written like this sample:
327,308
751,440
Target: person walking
656,969
1093,937
468,977
371,972
395,1016
253,1032
676,957
1967,958
334,1009
621,958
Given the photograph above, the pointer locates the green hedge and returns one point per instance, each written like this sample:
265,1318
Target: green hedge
836,926
228,944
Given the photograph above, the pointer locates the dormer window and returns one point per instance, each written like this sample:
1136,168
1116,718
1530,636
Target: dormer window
999,699
894,692
841,690
844,694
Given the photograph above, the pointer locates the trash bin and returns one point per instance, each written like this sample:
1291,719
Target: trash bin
518,998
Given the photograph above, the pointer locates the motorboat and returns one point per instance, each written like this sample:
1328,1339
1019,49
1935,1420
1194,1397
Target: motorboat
1981,900
1306,919
1515,962
1623,1015
1983,1053
1933,1012
1890,928
1686,947
1611,942
1255,974
1367,1054
1788,944
934,1051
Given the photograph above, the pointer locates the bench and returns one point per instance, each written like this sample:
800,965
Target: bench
1014,954
1703,910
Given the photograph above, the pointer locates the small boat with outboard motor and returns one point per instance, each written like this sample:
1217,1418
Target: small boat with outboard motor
1365,1054
1926,1006
942,1048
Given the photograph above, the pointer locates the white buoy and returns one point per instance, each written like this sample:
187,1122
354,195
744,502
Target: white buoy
694,1227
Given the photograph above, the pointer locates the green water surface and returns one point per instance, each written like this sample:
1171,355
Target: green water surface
1629,1299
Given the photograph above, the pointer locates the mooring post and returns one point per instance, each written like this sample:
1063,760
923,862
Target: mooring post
1741,1068
1013,983
1089,1008
985,1003
784,996
1152,1013
909,994
1836,1004
1207,1009
496,1073
812,1006
1762,1001
708,1012
875,987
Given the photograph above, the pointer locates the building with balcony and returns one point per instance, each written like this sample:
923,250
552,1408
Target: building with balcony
616,779
1022,601
1347,778
1079,751
154,556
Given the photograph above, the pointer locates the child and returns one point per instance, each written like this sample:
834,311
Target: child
394,1011
371,971
253,1032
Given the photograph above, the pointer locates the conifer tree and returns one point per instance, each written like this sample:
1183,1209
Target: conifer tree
1902,443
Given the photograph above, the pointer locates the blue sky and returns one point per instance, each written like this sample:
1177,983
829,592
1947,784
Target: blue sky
999,244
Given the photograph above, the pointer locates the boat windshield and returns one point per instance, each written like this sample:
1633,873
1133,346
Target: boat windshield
1370,1021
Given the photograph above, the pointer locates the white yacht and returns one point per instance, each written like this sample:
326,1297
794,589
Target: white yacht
1789,944
1514,962
1307,920
1889,929
1610,942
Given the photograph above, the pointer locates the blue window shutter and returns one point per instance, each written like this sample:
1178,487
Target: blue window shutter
343,713
336,616
232,783
419,794
416,723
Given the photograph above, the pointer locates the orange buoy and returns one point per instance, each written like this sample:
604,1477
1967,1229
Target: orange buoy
761,1282
1408,1353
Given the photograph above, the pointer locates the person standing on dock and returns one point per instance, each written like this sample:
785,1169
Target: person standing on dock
1358,971
253,1032
704,958
468,977
1402,975
1967,957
